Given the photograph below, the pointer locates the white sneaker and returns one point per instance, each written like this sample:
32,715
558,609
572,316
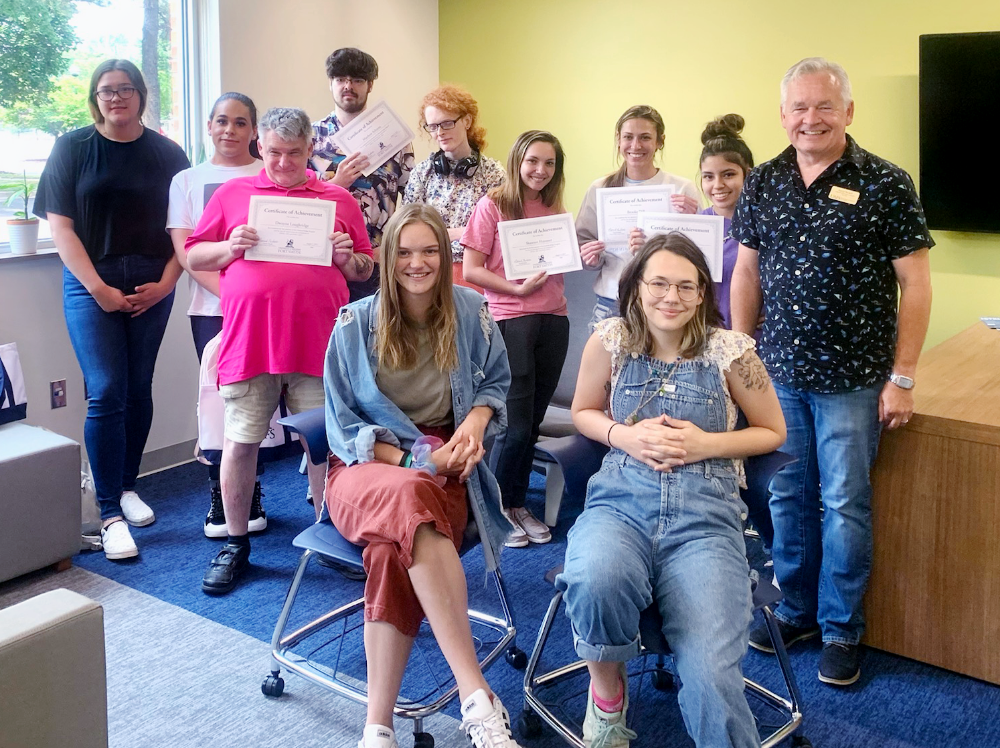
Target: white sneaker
517,537
136,512
117,541
377,736
486,722
607,729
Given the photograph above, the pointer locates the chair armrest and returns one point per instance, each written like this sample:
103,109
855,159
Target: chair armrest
577,456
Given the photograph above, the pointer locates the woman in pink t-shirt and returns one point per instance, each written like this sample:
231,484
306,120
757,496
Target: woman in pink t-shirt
531,314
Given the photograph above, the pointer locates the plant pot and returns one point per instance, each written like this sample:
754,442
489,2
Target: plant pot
23,233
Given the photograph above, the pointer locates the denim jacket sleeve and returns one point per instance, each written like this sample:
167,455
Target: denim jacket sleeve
351,437
490,384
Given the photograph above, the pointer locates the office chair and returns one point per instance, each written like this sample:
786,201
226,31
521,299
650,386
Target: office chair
579,458
558,423
322,540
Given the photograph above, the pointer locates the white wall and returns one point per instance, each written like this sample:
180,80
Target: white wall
274,51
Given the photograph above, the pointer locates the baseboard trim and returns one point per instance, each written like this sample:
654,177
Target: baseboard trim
167,457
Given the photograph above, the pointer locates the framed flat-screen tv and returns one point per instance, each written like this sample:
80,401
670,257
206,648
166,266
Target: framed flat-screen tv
959,119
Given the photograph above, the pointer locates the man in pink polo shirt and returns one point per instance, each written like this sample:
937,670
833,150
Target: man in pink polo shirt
277,317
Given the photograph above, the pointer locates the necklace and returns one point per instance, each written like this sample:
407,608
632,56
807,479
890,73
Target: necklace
661,389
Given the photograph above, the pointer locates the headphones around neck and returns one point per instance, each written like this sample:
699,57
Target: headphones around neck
463,169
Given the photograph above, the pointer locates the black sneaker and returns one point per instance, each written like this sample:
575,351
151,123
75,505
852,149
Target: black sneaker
839,664
258,517
215,522
760,639
226,569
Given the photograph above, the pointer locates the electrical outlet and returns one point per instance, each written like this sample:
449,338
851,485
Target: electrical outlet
58,391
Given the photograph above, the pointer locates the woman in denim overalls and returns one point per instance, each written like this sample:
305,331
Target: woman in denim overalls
664,519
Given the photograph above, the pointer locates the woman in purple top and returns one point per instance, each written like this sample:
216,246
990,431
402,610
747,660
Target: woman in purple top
725,161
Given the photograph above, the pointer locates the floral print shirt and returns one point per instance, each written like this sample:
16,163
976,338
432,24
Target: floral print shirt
376,194
825,255
453,196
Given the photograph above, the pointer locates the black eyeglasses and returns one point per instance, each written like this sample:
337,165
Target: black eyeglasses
660,288
124,92
448,124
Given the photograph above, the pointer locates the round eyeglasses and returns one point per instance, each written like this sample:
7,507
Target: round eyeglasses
124,92
660,288
433,127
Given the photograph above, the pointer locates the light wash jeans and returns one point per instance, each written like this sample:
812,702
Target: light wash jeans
822,560
603,309
674,537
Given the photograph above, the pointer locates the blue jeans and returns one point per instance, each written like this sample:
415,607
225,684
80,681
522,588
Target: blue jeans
822,560
117,353
603,309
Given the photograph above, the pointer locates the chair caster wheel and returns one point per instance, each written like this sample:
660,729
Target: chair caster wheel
273,685
423,740
662,680
516,658
529,724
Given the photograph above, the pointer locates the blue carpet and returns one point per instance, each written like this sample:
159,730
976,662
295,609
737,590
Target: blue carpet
897,703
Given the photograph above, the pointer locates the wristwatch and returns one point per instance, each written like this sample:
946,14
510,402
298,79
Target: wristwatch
904,383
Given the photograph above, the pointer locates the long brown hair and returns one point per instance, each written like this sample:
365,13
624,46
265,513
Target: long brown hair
134,76
396,334
640,111
638,338
509,194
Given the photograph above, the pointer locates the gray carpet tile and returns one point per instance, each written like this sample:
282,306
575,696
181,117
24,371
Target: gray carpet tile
177,679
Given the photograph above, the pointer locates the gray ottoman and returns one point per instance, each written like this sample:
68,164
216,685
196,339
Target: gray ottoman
39,499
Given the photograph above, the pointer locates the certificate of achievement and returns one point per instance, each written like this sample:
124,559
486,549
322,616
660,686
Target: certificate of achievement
377,132
618,209
707,232
292,229
534,245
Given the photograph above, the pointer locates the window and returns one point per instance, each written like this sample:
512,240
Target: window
89,31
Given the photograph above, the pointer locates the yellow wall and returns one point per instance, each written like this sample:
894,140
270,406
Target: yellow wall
573,66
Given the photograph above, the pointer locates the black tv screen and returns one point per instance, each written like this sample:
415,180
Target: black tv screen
959,116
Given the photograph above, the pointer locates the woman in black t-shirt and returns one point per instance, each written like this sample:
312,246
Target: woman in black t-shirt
104,192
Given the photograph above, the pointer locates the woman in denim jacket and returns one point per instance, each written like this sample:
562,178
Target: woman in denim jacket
420,360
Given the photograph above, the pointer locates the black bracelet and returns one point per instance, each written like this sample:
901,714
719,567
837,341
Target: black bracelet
608,437
407,455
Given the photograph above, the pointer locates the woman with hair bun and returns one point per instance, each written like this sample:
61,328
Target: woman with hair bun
725,162
458,175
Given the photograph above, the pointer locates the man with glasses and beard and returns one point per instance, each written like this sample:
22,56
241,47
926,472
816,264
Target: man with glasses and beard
352,74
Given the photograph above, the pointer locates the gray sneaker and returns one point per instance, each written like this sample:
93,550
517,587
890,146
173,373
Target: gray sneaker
535,530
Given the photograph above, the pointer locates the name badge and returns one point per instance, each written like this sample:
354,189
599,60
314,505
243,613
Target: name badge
844,195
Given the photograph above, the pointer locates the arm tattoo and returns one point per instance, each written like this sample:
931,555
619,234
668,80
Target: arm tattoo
607,396
753,372
363,265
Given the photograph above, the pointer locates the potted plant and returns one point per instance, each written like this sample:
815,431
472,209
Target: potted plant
22,228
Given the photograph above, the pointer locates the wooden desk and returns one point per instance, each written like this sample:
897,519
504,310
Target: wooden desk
934,594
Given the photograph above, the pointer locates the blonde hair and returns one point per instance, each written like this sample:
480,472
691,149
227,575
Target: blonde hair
509,195
396,334
459,102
